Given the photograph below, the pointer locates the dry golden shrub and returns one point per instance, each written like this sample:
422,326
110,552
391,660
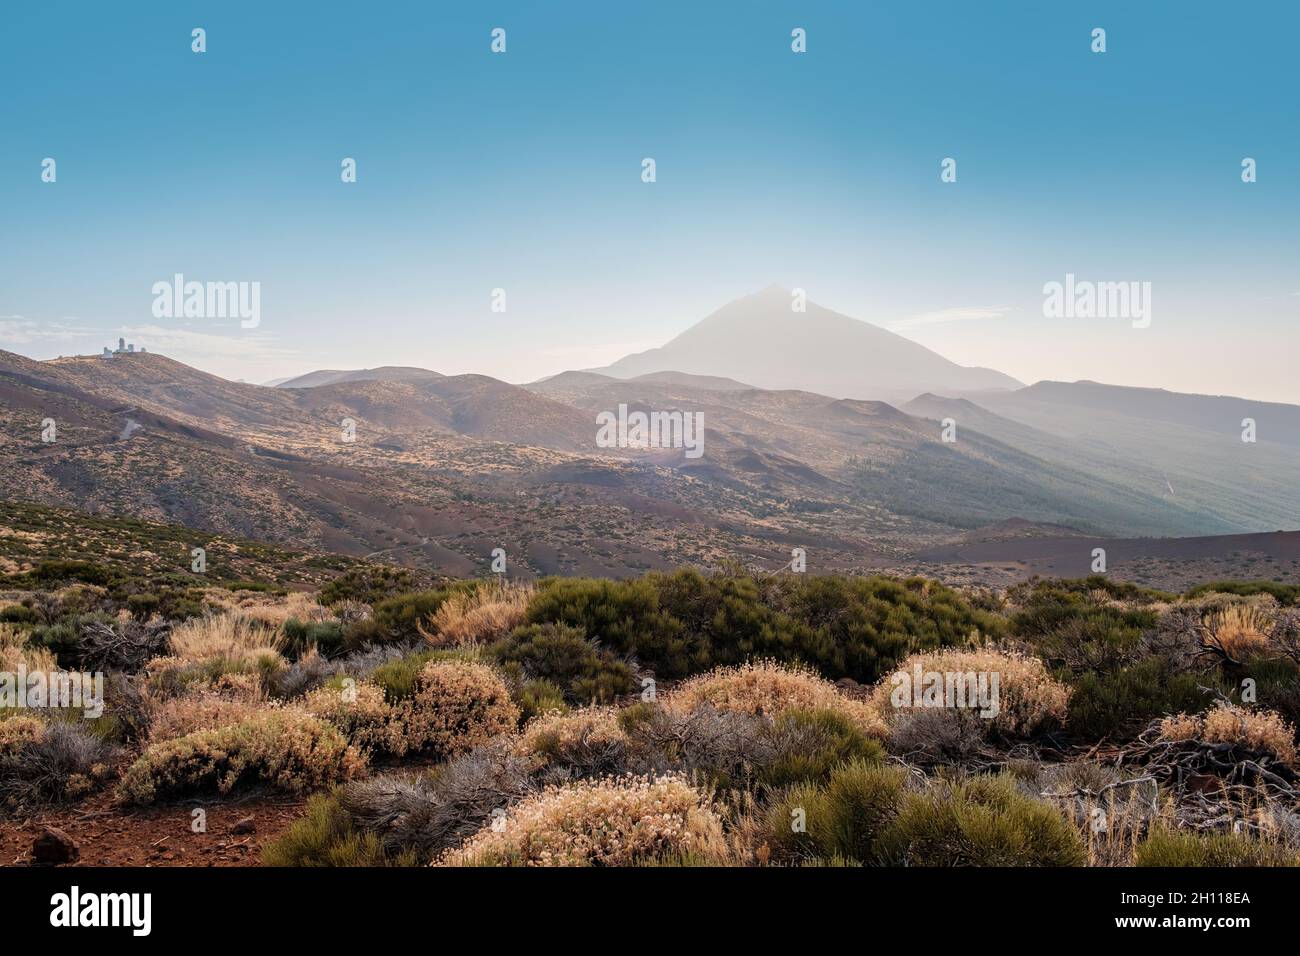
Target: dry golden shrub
610,822
1260,730
181,716
768,689
457,705
560,732
17,732
361,714
285,748
1028,697
484,615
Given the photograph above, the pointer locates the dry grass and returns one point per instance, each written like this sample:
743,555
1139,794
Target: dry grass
486,614
16,652
610,822
768,689
270,612
234,636
1259,730
1240,630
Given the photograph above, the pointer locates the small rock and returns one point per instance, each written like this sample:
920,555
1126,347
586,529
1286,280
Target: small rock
246,825
54,847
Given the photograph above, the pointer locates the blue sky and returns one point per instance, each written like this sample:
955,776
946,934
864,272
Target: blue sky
522,171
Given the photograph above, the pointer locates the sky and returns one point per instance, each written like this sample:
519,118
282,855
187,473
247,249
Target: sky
522,171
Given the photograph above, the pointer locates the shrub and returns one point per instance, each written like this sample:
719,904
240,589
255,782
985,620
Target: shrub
624,822
457,706
285,749
1077,627
326,637
537,697
1165,847
182,716
768,689
49,763
1028,700
1283,593
1260,731
427,815
723,749
302,676
398,619
842,818
686,622
586,672
983,821
864,626
622,615
123,645
810,744
399,676
588,742
361,714
369,584
1120,704
326,836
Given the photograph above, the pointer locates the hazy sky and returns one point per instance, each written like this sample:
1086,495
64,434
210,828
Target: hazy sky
522,171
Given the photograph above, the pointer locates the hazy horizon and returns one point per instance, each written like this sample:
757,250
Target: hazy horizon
518,171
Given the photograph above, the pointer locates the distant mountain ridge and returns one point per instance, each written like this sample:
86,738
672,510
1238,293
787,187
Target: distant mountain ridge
386,373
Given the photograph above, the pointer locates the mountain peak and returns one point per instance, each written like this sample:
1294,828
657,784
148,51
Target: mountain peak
761,339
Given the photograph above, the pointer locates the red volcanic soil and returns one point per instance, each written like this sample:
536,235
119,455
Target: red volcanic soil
110,835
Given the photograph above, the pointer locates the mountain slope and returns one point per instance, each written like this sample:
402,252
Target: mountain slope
759,339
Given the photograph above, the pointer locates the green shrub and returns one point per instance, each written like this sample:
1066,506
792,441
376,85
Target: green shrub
369,585
1069,629
17,614
622,615
983,821
811,744
1120,704
398,677
48,573
562,655
325,636
842,818
397,619
326,836
1165,847
537,697
687,622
